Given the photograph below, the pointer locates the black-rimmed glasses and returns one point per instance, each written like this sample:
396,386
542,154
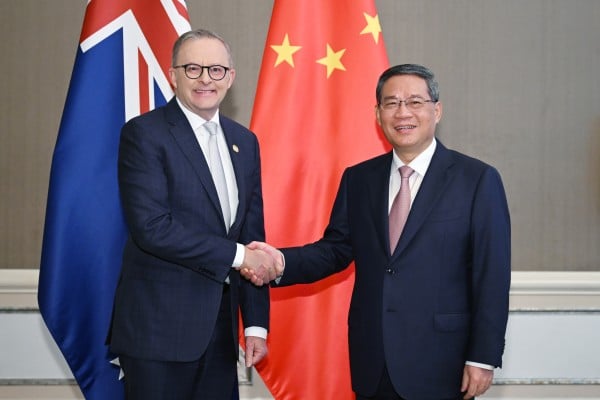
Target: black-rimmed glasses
194,71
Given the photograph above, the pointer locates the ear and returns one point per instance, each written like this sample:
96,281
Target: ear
378,115
438,111
173,76
231,78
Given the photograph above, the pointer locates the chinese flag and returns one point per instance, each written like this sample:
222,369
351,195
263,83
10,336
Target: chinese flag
314,116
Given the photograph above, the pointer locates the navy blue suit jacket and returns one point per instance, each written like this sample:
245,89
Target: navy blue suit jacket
442,297
179,253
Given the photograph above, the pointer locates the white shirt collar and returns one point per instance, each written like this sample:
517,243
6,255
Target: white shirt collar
195,120
420,162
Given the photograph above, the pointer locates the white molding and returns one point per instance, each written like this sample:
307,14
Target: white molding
545,290
543,282
565,298
18,289
530,290
18,280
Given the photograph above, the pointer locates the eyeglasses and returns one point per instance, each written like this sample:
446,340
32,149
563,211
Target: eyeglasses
412,104
194,71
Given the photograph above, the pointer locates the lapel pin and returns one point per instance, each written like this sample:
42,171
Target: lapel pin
235,148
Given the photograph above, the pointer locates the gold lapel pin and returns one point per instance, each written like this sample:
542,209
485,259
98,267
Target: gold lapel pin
235,148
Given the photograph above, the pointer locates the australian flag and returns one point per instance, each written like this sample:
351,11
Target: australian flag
121,70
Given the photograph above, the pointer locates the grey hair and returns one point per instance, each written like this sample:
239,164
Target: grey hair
199,34
409,69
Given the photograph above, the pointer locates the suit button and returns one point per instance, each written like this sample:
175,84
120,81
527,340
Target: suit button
390,271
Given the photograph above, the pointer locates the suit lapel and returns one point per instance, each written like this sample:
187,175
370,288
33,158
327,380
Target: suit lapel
377,190
184,136
433,186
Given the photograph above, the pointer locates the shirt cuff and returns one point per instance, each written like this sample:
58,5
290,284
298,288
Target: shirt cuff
256,331
479,365
240,252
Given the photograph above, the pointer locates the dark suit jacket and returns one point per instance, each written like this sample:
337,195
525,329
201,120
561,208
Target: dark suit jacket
179,253
442,297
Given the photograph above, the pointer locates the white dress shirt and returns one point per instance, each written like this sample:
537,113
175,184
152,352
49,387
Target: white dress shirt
419,165
197,124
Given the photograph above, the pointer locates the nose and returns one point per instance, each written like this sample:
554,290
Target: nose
204,76
402,109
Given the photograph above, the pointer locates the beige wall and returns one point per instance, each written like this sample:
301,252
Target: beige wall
520,83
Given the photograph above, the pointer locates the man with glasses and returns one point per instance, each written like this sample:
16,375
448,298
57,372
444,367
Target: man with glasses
428,229
191,192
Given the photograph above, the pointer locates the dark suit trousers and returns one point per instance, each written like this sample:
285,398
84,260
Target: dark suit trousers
386,391
212,377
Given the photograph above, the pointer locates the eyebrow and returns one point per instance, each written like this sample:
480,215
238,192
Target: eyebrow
412,96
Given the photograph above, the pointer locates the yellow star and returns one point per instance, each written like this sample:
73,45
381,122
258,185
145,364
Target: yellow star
373,27
285,51
332,60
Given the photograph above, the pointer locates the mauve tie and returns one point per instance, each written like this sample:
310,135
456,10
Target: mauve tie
400,207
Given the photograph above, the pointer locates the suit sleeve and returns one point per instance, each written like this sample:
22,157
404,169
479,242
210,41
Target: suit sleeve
154,183
329,255
491,244
254,301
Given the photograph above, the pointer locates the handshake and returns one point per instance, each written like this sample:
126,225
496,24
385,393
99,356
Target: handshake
262,263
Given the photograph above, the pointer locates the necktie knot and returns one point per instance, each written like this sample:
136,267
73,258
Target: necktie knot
406,171
211,127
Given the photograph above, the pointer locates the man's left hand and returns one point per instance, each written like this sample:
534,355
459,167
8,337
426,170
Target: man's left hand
256,350
476,381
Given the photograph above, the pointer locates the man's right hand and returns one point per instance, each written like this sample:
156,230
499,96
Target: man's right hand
261,265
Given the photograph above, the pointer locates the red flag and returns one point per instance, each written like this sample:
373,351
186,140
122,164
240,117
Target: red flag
314,116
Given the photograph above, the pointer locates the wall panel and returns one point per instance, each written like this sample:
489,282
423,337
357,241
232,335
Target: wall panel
519,83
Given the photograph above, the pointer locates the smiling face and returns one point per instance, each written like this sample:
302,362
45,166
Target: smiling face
408,131
202,96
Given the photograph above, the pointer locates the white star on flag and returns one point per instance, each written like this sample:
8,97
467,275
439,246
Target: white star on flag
115,361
